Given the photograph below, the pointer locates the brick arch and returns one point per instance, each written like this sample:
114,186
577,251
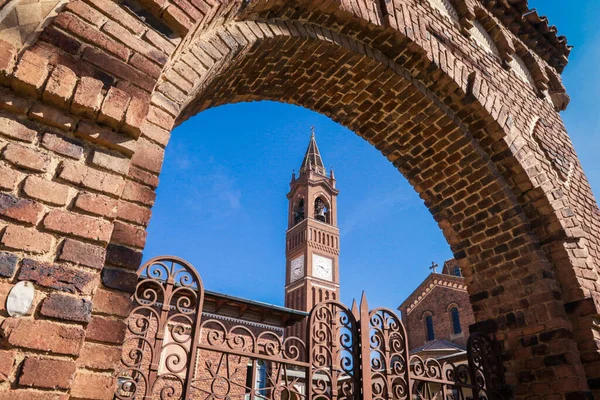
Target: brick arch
414,87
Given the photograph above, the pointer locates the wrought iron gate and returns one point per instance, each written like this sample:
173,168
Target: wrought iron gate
174,352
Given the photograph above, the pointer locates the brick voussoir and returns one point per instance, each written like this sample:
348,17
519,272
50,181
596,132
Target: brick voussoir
65,222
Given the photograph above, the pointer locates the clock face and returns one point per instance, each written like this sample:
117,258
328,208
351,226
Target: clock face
322,267
297,268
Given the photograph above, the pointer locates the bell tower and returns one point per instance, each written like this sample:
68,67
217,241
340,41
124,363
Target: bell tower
312,238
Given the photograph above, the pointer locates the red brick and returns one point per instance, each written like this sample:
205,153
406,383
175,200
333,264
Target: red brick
9,177
148,156
173,16
133,213
71,23
86,12
110,162
116,30
159,41
116,12
112,303
47,373
31,73
156,134
145,65
91,178
8,264
105,137
9,101
135,116
106,330
46,191
52,117
129,235
83,226
7,57
43,335
83,254
61,40
26,394
25,157
160,118
144,177
15,130
97,204
93,386
99,356
122,256
7,360
113,108
138,193
22,210
27,239
119,279
63,146
59,277
88,97
60,87
69,308
118,68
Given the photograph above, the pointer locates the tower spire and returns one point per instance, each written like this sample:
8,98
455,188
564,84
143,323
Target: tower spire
312,159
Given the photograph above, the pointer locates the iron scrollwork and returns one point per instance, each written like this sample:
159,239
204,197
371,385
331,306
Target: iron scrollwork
157,352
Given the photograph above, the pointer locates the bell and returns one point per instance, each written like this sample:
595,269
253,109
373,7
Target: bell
321,212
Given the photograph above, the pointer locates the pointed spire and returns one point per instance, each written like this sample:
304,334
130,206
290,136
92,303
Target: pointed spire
312,159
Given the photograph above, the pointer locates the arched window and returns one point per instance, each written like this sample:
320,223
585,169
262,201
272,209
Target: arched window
321,210
455,320
483,38
520,67
429,327
456,271
446,8
299,211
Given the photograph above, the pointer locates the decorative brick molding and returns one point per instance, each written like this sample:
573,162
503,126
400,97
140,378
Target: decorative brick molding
87,109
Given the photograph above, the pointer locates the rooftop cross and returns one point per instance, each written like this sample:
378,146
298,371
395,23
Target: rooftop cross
433,267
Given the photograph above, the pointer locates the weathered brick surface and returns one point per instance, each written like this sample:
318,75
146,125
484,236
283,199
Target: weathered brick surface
9,177
25,157
123,256
27,239
93,386
52,117
91,178
16,130
60,87
97,204
43,336
46,191
88,97
119,279
8,264
63,146
112,303
113,163
131,212
99,356
129,235
114,107
78,225
69,308
84,254
7,361
31,74
47,373
106,330
57,276
138,193
27,394
23,210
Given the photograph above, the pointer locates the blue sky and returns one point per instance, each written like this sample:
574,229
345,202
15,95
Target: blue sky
222,203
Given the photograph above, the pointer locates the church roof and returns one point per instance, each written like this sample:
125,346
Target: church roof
433,281
312,159
438,345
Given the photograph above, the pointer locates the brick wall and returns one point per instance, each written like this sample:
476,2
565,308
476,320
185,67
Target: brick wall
88,106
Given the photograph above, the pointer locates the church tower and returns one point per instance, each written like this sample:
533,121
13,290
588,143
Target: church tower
312,238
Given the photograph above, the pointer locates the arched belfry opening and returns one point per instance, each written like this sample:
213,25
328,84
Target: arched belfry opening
321,211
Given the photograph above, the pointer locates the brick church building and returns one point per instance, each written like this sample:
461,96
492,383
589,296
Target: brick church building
437,315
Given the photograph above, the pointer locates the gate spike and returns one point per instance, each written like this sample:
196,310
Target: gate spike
355,309
364,305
